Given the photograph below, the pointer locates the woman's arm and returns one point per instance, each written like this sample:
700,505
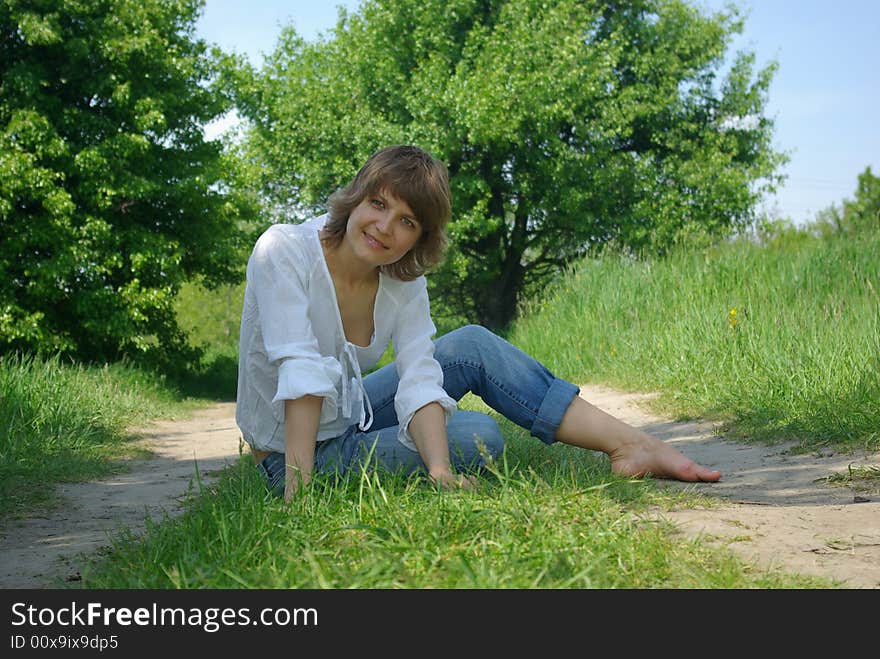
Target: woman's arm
421,378
279,275
301,416
428,430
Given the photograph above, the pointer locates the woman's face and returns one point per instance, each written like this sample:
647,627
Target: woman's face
382,229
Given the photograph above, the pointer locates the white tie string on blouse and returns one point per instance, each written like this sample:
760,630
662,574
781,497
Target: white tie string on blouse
354,396
293,343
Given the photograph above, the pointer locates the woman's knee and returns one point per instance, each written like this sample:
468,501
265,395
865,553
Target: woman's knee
472,333
464,341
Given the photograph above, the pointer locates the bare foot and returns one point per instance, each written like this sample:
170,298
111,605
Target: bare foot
632,452
655,458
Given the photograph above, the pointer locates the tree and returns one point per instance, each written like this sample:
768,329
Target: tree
856,215
110,197
566,125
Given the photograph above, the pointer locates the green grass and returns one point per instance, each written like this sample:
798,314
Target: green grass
546,517
778,341
65,422
861,478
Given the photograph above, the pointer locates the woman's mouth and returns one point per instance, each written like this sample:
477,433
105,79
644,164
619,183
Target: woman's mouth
372,242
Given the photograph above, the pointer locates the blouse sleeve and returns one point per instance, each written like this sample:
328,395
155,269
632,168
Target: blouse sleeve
278,271
421,378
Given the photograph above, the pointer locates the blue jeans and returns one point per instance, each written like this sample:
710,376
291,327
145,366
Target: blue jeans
474,360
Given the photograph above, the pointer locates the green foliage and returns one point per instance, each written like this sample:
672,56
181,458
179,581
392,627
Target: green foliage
211,317
565,125
779,340
110,196
855,216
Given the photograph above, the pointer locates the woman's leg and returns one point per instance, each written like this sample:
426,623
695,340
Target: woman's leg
474,439
474,359
508,380
526,392
632,451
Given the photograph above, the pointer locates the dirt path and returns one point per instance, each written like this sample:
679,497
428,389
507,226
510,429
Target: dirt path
43,551
774,508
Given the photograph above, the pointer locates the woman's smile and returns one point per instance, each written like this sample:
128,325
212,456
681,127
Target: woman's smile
374,242
387,228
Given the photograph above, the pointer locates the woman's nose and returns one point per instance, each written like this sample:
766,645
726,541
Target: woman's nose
383,224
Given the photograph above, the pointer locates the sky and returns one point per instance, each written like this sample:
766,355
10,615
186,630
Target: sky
824,98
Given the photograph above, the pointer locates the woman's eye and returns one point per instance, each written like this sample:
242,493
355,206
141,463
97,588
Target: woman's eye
378,204
408,222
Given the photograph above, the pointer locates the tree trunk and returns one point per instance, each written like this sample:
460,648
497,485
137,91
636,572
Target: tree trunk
496,304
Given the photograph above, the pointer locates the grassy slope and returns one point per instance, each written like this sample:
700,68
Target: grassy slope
782,341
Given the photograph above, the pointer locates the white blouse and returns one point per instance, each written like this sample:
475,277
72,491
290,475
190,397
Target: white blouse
293,343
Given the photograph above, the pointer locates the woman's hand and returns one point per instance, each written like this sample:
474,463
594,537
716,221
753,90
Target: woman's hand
428,429
449,481
294,479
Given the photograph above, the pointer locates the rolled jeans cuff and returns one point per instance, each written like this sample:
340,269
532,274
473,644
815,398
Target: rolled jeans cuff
553,407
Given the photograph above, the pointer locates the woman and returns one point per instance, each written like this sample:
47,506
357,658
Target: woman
323,300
